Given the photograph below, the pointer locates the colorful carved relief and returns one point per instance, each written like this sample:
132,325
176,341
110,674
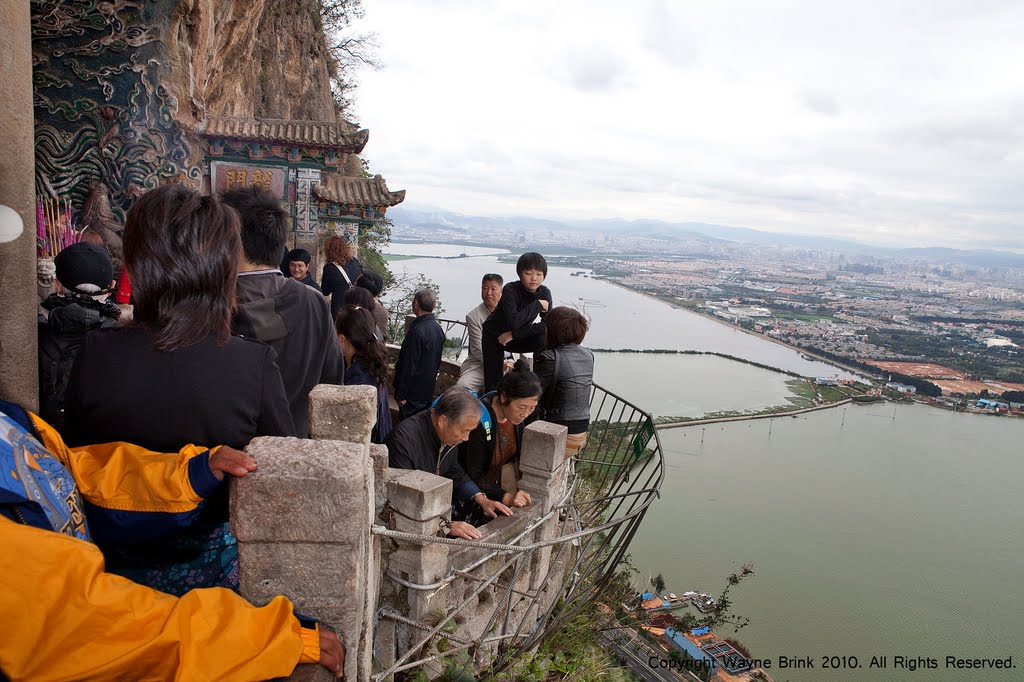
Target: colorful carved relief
101,112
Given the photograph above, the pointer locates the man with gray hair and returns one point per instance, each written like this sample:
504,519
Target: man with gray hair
429,442
420,357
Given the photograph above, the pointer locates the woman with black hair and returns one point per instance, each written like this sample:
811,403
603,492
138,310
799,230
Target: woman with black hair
494,444
175,375
366,362
361,298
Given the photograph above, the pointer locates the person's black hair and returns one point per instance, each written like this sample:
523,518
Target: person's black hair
371,281
426,299
531,260
356,324
492,277
360,297
181,251
521,382
299,254
264,223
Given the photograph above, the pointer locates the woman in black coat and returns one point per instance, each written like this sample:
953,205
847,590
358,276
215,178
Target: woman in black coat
495,442
175,375
340,272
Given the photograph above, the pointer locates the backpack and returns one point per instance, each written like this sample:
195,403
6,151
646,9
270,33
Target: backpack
57,354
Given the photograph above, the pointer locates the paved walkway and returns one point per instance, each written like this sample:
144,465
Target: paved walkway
745,417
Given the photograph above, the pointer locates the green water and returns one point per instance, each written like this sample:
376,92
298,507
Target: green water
877,537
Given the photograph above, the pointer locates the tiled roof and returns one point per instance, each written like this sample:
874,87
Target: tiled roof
312,133
357,191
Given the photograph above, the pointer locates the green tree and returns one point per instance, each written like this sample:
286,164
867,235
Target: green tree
372,241
658,583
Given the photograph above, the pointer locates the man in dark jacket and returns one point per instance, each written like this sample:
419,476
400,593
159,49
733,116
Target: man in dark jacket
420,357
291,318
298,268
429,441
86,276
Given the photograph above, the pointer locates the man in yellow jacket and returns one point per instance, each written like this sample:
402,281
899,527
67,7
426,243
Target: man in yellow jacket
65,618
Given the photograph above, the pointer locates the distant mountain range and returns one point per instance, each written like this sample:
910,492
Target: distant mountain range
700,232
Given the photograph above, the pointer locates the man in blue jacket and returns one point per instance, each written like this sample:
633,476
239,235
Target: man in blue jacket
420,357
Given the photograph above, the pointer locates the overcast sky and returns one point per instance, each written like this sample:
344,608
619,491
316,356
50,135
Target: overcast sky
898,123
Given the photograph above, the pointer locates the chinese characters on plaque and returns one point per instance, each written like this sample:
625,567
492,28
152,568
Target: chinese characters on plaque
228,176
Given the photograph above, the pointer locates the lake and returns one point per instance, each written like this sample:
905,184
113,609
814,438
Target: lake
870,536
620,318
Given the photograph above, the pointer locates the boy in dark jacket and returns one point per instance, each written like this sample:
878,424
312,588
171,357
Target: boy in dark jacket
86,276
512,326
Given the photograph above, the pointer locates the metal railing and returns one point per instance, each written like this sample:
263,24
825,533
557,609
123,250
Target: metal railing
610,485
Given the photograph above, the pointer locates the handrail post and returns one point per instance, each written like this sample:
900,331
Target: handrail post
542,469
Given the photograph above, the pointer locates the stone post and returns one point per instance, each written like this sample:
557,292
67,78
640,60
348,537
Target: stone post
420,501
348,414
18,354
302,524
542,475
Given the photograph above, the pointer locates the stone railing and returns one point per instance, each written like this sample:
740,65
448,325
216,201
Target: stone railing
361,546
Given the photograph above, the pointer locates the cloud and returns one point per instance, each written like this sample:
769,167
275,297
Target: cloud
887,122
820,102
594,68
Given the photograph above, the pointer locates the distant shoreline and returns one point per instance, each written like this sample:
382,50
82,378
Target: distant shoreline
746,417
715,318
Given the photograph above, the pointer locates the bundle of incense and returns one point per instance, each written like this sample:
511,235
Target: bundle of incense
54,227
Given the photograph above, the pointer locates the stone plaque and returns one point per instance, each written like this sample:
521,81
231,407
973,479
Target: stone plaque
226,176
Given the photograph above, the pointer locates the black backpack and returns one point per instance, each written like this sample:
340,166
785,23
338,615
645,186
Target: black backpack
57,353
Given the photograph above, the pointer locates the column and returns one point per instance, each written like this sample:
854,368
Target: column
18,352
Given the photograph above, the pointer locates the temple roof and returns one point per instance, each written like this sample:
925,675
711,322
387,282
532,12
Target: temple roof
357,191
328,134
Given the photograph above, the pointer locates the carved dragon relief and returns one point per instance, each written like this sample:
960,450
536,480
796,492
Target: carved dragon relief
102,114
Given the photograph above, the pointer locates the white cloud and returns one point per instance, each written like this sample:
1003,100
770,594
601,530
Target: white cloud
897,122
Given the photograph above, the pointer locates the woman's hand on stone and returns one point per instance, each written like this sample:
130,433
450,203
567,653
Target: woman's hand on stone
461,529
230,461
516,499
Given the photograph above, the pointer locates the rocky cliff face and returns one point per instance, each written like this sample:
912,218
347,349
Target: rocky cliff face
120,86
258,58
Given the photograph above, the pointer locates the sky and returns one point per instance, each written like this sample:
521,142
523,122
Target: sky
894,122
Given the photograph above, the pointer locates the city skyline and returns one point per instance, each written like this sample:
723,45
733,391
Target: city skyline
895,125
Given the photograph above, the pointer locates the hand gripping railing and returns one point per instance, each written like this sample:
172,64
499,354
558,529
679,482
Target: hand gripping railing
612,482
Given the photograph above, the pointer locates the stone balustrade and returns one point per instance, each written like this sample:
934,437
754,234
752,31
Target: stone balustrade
303,523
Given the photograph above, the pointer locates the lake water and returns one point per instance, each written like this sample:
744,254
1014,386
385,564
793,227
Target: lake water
877,537
690,385
870,536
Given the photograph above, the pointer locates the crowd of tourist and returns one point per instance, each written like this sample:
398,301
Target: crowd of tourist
114,496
